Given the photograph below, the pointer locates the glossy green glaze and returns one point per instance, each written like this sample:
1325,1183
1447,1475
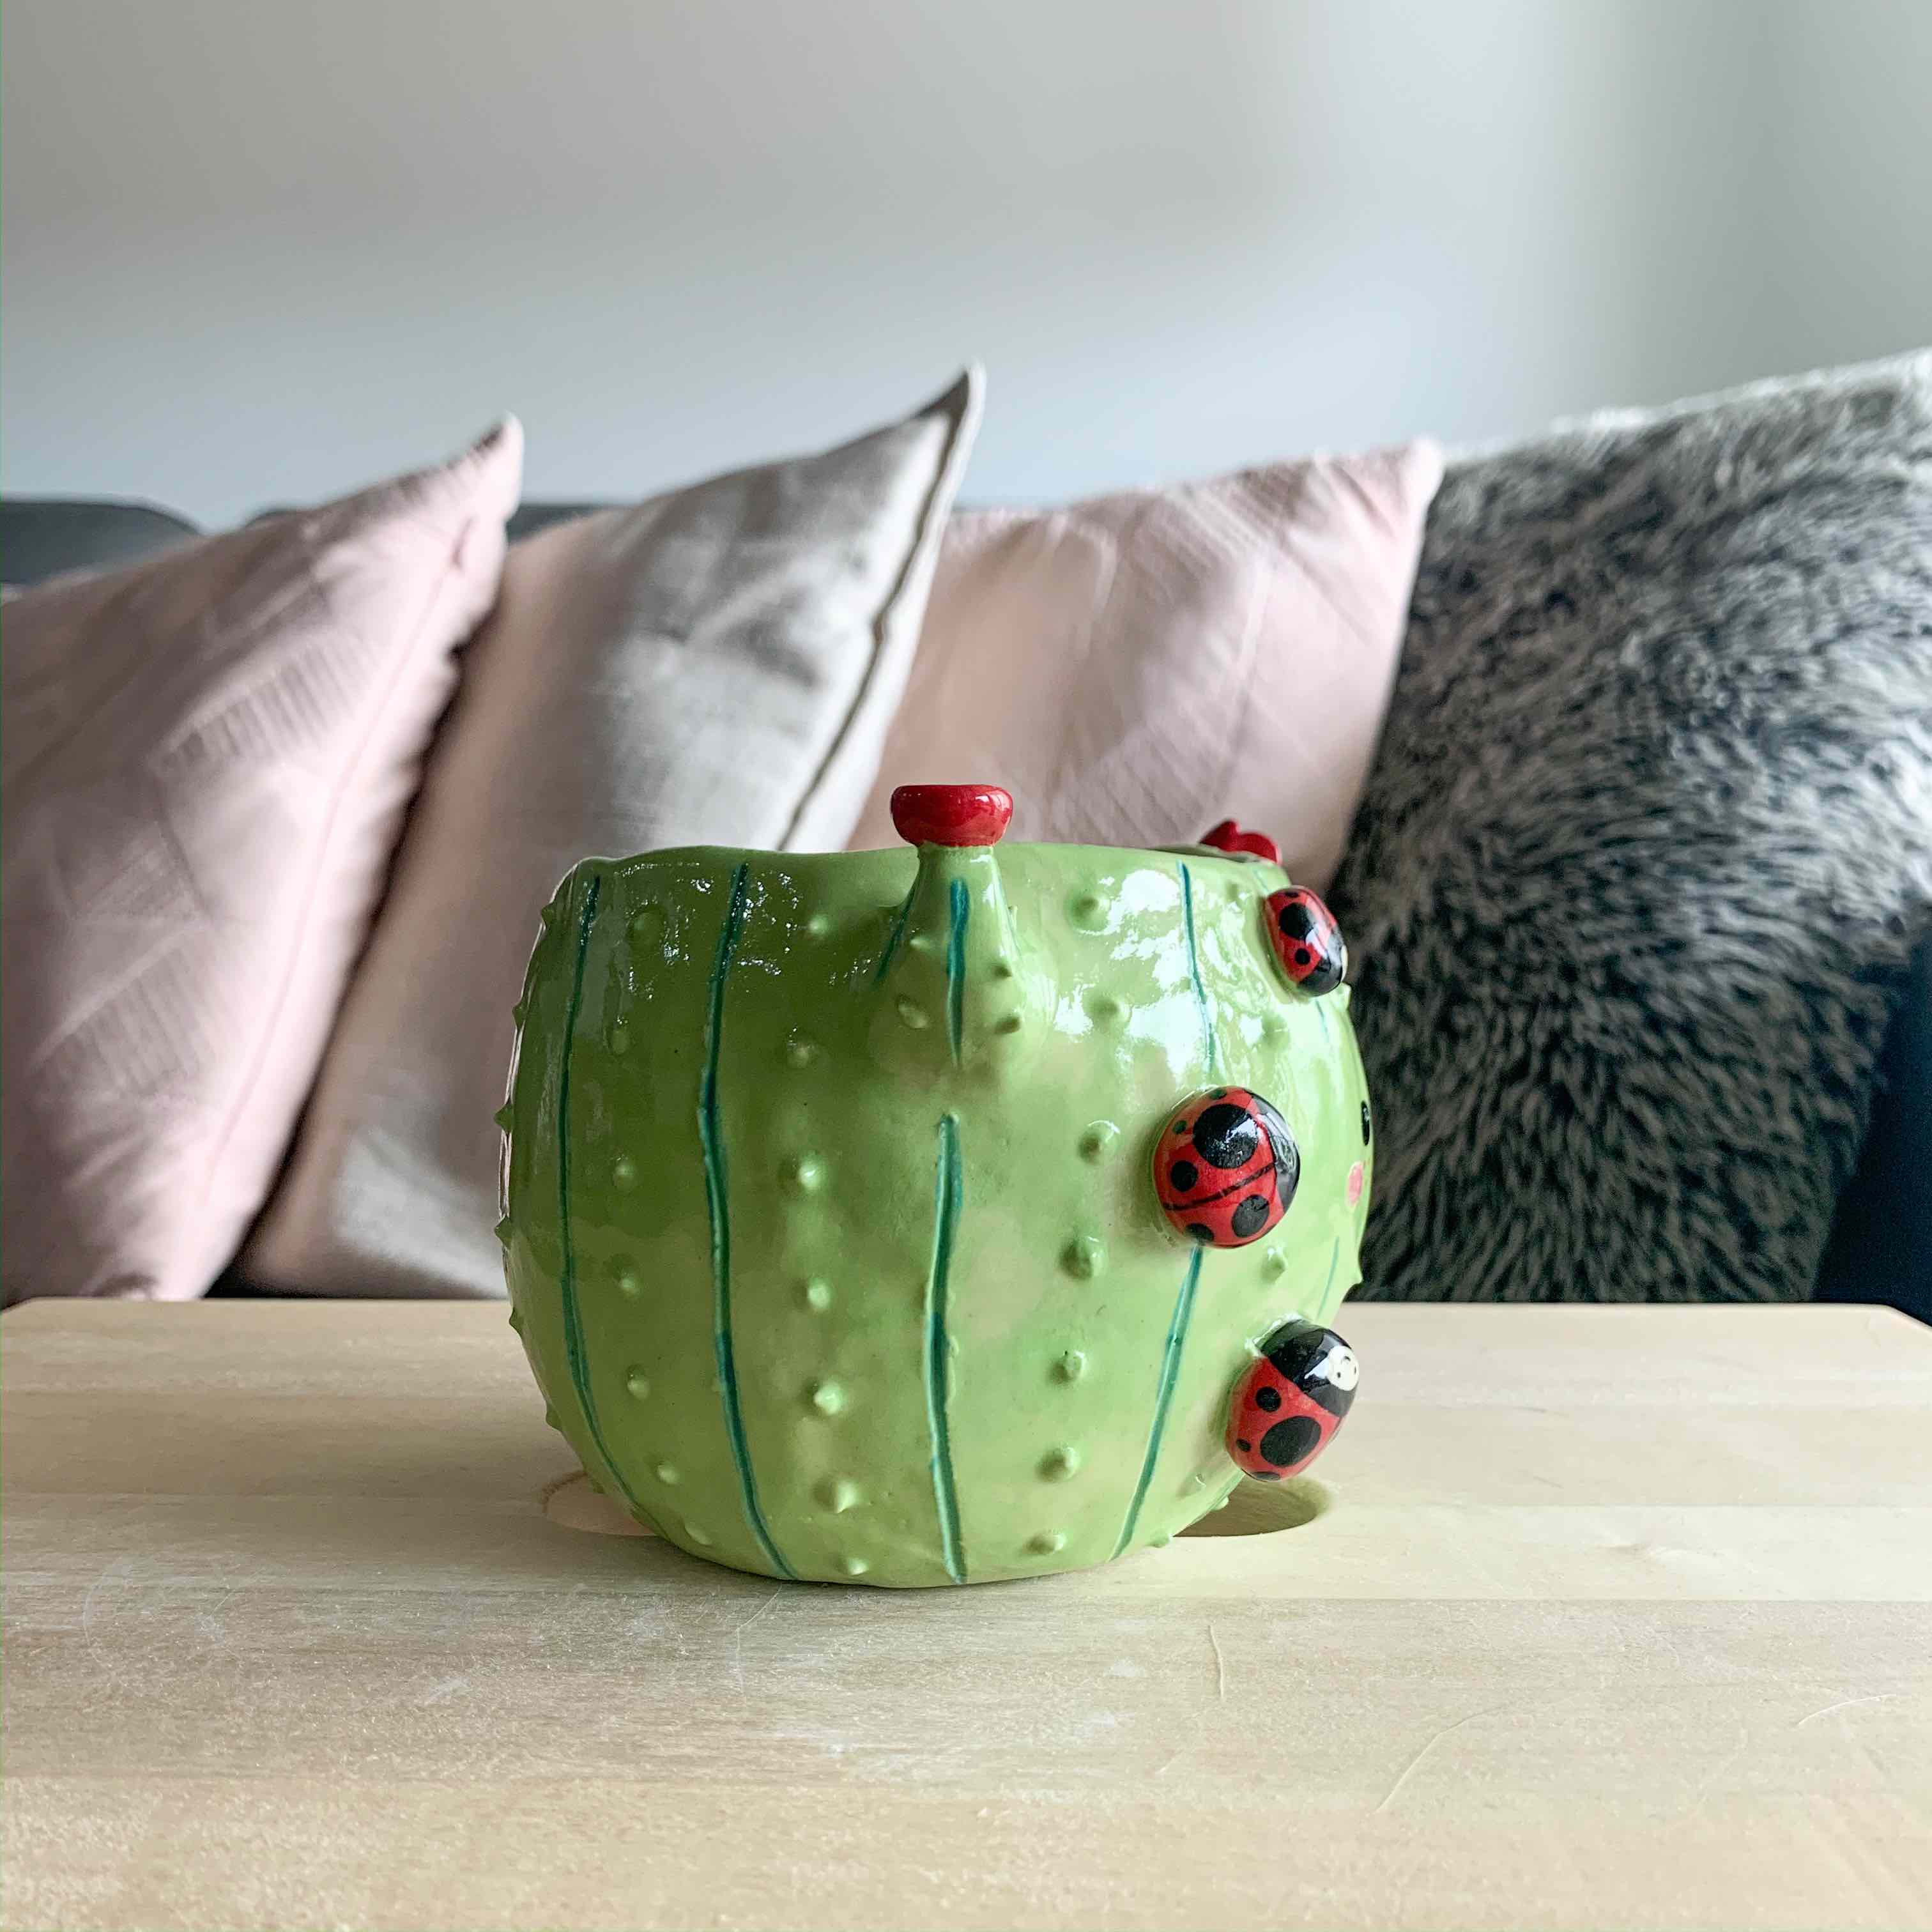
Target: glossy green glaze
829,1225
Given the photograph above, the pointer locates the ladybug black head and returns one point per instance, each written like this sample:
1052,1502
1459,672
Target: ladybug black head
1304,1354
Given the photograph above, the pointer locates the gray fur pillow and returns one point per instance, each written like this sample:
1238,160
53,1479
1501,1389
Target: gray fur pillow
1647,846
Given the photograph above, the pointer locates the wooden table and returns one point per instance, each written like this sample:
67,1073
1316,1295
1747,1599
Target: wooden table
1619,1617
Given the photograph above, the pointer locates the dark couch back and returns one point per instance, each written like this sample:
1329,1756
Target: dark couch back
43,536
1881,1247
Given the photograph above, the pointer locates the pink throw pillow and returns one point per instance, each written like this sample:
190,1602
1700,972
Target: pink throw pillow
1136,668
206,762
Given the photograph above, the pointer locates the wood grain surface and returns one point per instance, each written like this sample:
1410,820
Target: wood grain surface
1599,1617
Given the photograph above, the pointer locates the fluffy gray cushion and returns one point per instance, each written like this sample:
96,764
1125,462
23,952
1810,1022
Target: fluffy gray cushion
1648,847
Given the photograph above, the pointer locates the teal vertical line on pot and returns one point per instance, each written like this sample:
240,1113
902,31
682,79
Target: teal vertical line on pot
1170,1370
948,1194
898,933
576,1353
1194,973
718,1203
955,966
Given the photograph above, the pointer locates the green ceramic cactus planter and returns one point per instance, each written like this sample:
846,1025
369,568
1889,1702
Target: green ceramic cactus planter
935,1216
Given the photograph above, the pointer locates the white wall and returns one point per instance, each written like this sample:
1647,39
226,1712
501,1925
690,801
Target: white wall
258,250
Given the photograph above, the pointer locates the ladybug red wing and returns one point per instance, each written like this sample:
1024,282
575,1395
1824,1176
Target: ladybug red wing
1288,1405
1224,1167
1307,942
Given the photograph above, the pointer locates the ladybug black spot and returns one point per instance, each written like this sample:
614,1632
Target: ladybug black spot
1200,1232
1181,1126
1295,919
1265,1475
1226,1136
1268,1399
1242,1443
1185,1175
1290,1441
1251,1216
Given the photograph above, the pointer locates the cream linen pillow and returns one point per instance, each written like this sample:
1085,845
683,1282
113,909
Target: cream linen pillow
715,666
206,760
1136,668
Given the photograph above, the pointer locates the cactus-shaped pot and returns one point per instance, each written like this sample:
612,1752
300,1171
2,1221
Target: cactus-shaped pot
961,1212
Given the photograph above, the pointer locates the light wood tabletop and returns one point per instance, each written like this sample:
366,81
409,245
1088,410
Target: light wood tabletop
1612,1617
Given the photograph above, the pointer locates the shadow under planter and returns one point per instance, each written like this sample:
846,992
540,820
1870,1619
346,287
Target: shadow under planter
1254,1509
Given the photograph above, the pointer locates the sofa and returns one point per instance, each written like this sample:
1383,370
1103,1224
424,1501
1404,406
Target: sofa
1613,478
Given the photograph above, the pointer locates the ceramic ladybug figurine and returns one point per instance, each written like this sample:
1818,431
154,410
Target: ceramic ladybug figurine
1306,941
1225,1167
1291,1402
